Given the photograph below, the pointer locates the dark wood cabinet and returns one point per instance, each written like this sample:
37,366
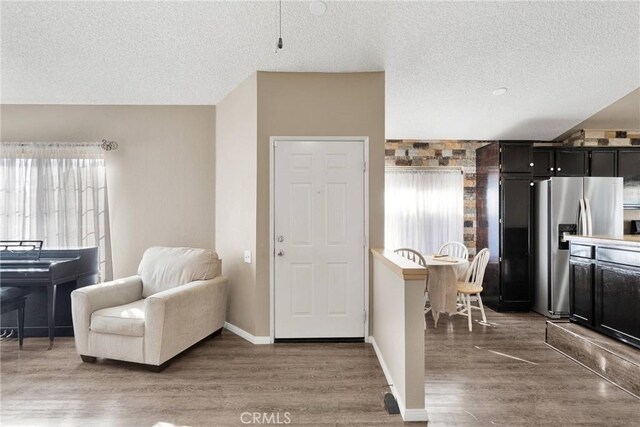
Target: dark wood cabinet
617,297
543,163
605,289
572,162
516,157
628,163
603,163
515,262
582,275
503,209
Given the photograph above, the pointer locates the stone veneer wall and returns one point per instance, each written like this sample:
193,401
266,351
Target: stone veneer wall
443,153
603,138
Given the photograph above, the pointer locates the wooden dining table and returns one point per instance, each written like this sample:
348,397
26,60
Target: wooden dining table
442,283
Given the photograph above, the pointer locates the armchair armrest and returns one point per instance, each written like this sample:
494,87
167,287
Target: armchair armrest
177,318
85,301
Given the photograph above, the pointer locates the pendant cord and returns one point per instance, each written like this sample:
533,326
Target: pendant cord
280,18
279,42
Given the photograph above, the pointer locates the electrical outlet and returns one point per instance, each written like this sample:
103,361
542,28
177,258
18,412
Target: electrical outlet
247,257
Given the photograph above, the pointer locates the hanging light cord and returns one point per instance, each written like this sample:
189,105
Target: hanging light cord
279,44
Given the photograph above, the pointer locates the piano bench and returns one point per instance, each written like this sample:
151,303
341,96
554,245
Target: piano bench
14,299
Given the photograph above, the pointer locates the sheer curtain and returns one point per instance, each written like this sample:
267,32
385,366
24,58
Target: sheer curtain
56,192
423,208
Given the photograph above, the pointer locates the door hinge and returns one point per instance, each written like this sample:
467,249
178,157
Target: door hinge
364,316
500,221
275,143
500,259
500,182
364,166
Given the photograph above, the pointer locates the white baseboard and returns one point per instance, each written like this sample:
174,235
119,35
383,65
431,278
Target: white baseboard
407,414
387,374
246,335
262,340
418,415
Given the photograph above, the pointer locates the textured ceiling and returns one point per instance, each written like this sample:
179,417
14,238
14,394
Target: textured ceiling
562,62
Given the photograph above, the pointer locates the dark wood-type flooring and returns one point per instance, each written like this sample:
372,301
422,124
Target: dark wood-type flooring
471,379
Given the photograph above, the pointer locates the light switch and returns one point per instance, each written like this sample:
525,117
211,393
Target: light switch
247,257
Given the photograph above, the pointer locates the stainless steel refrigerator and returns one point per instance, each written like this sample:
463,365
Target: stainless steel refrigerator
564,206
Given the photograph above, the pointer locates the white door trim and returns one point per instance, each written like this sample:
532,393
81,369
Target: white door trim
272,141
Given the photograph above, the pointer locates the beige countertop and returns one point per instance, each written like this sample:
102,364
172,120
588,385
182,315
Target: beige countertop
619,240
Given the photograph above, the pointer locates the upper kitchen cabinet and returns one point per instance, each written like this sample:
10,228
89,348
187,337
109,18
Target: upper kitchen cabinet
516,157
543,163
603,162
572,162
551,161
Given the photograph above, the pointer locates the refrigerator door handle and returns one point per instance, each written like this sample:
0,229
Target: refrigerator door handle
582,218
587,208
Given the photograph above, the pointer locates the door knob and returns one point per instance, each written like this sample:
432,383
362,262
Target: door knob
559,169
531,164
280,239
280,253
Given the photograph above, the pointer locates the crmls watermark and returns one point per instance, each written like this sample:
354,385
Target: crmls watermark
265,418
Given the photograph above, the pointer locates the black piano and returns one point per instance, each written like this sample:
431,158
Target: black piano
51,275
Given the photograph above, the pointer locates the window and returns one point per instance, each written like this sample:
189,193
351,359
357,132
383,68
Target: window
56,193
423,208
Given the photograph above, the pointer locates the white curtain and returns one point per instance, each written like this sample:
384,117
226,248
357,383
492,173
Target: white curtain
56,192
423,208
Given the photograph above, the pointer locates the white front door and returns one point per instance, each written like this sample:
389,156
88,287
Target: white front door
319,239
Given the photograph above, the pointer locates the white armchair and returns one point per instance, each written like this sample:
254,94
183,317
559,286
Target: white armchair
177,298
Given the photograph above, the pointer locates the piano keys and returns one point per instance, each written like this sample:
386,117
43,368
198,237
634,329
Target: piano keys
51,275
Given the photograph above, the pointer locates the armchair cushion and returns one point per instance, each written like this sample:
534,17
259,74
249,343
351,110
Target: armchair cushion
165,268
127,319
85,301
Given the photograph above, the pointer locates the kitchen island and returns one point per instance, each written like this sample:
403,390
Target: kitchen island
604,285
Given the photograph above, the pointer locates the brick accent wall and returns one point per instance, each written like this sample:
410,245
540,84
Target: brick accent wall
603,138
443,153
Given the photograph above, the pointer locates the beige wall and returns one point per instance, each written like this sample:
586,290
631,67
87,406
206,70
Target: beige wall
316,104
236,177
283,104
160,179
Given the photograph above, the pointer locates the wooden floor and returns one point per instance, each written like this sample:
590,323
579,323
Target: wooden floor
504,374
472,379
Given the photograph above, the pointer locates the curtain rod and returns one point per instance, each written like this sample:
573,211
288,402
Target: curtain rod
425,168
104,144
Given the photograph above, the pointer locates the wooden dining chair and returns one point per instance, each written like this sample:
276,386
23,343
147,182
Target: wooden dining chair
412,255
416,257
472,285
454,249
